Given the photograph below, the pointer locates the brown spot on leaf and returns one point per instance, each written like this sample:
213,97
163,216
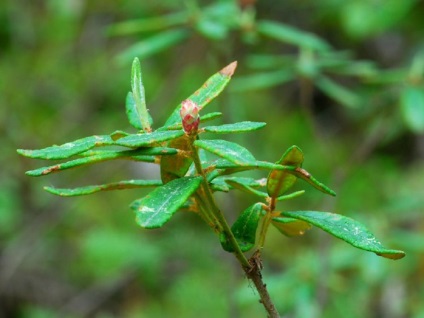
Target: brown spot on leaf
303,172
229,69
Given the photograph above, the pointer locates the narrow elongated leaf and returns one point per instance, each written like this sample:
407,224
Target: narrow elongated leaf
153,44
291,35
157,208
155,23
101,156
178,165
279,181
289,226
213,86
412,107
347,229
291,195
133,115
339,93
235,128
264,80
220,184
127,184
227,150
244,229
149,139
136,102
246,188
69,149
306,176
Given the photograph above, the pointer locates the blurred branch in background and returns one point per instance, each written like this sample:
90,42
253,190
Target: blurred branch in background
343,81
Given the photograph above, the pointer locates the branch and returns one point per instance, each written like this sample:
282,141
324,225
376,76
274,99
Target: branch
254,274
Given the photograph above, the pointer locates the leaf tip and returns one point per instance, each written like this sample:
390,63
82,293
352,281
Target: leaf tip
229,69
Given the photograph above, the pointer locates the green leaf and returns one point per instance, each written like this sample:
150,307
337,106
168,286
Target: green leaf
153,44
280,181
220,183
227,150
157,208
148,24
289,226
306,176
133,115
287,34
291,195
412,108
103,156
136,102
263,80
127,184
149,139
244,229
178,165
347,229
245,188
235,128
213,86
69,149
338,92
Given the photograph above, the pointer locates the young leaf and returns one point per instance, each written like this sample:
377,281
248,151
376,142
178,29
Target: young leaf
227,150
136,102
101,156
347,229
291,195
127,184
134,117
306,176
235,128
244,229
279,181
149,139
157,208
289,226
69,149
207,92
203,119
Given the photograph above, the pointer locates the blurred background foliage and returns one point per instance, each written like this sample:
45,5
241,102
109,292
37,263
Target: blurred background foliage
342,80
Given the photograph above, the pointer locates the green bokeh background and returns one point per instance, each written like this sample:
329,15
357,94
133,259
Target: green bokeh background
61,79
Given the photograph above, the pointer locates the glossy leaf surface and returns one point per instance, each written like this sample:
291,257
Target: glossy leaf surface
244,126
244,228
69,149
280,181
149,139
347,229
157,208
227,150
290,226
121,185
213,86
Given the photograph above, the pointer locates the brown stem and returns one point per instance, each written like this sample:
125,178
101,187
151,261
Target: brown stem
255,275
